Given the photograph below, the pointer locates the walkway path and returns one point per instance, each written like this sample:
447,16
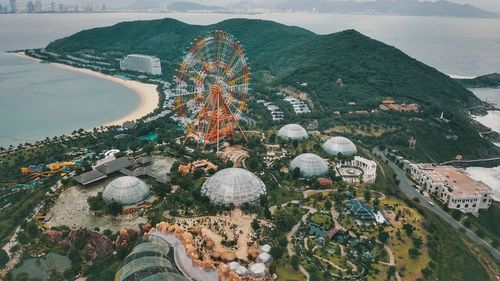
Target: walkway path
331,263
410,192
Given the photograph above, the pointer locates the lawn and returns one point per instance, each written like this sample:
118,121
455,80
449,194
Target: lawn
285,271
323,220
409,268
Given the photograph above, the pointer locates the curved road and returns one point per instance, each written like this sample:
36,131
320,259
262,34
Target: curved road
406,187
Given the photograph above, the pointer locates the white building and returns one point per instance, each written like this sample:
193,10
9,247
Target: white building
452,186
141,63
358,170
299,106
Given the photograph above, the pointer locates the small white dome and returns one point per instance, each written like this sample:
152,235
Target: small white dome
241,271
264,257
126,190
233,265
258,269
293,132
310,165
336,145
265,248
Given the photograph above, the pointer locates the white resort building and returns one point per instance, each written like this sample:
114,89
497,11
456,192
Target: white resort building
141,63
452,186
357,170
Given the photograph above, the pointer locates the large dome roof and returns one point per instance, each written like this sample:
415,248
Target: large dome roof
149,261
310,165
126,190
233,185
293,132
336,145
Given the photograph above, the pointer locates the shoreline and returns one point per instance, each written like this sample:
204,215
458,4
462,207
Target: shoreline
149,97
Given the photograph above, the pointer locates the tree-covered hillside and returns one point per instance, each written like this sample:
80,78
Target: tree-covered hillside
485,81
282,56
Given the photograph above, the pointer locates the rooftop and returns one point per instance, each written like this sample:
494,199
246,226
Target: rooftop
457,180
89,177
114,166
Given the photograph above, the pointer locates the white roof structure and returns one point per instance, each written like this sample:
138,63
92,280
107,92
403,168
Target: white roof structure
126,190
336,145
264,257
233,186
233,265
241,271
310,165
265,248
258,270
293,132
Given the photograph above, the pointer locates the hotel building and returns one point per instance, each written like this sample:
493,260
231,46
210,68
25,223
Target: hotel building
141,63
452,186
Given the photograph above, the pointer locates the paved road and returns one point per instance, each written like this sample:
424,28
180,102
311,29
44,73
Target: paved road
406,187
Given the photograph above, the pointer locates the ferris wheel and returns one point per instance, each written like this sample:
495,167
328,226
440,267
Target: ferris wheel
212,85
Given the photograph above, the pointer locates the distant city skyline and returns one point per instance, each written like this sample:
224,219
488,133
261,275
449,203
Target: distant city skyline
56,5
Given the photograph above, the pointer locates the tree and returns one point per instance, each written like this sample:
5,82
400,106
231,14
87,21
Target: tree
391,271
408,228
255,224
296,173
328,204
413,252
114,208
198,173
456,214
32,229
148,148
383,236
4,258
367,195
295,262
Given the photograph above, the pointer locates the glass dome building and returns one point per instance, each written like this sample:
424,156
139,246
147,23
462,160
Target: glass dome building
233,186
126,190
336,145
292,132
310,165
149,261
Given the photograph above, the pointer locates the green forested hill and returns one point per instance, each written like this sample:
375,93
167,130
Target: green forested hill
485,81
282,55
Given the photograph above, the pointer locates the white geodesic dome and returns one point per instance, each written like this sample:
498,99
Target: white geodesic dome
292,132
233,186
310,165
336,145
126,190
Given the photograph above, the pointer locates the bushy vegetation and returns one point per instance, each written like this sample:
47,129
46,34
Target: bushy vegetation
286,56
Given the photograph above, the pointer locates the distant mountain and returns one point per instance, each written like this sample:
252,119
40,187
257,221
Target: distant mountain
399,7
281,55
485,81
191,6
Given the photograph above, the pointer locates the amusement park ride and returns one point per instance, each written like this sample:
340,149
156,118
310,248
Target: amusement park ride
212,85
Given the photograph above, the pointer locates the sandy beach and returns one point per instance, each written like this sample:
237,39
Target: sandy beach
149,97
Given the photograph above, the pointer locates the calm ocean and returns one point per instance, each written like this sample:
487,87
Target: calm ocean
38,101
